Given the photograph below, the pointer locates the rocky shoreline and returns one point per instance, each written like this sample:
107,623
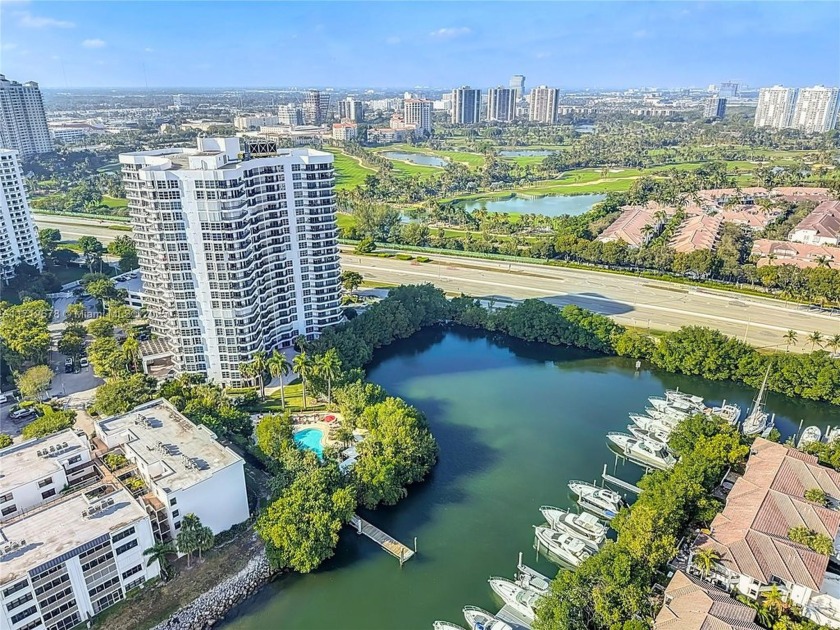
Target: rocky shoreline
208,609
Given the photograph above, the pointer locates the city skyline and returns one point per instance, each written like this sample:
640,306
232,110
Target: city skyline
601,46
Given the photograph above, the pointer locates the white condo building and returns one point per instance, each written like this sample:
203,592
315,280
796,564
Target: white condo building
517,84
775,107
501,104
18,238
71,541
418,111
816,109
351,109
238,252
290,115
316,107
23,124
543,104
466,105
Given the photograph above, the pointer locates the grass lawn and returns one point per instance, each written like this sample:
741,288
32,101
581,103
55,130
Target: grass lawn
114,202
345,220
349,172
407,168
294,400
68,274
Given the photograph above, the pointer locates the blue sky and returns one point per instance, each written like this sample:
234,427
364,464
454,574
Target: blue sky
400,44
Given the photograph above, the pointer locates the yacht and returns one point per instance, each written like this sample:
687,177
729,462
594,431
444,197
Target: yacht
585,526
831,434
652,435
644,451
651,424
759,421
677,395
670,416
602,502
731,412
446,625
565,546
532,579
522,600
809,436
479,619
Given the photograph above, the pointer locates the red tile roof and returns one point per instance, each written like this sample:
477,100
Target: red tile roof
691,604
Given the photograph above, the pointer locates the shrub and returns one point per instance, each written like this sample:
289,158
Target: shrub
115,461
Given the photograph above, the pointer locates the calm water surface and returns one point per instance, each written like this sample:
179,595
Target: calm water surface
515,422
552,206
416,158
525,152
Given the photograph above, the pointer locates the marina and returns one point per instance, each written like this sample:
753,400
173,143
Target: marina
387,542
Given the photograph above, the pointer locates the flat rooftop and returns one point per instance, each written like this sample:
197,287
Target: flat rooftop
60,527
21,464
156,433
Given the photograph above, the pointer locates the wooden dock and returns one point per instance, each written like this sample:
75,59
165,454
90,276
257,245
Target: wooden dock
619,482
387,542
513,618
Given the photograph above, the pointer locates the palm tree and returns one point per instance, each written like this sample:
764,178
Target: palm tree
247,370
790,338
160,552
260,363
278,367
775,601
833,343
816,339
302,365
705,559
131,351
329,366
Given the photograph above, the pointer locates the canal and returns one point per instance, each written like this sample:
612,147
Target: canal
515,422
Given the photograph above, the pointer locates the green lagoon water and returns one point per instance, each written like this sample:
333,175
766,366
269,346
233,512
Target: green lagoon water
515,422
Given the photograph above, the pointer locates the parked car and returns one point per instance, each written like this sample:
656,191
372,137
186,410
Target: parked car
68,365
22,413
4,399
83,362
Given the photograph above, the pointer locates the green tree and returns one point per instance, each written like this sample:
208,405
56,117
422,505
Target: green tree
131,352
303,366
815,338
790,339
51,422
817,495
366,246
328,366
48,239
75,313
279,367
107,358
119,395
274,435
5,440
160,552
351,280
833,343
24,333
70,344
123,246
92,250
35,382
705,559
820,543
103,290
101,327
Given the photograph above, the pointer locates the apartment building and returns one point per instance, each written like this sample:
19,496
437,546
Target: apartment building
418,112
517,84
23,123
816,109
74,544
183,465
820,227
543,105
345,131
238,249
466,105
18,237
637,225
714,107
351,109
501,104
316,107
775,107
691,604
254,121
290,115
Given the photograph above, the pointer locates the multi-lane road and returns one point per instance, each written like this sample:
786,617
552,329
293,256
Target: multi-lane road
630,300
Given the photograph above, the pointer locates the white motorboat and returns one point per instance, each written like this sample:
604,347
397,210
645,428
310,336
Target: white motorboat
832,434
652,435
759,421
670,416
690,399
729,412
675,405
523,600
446,625
809,436
532,579
602,502
651,424
643,451
568,548
585,526
479,619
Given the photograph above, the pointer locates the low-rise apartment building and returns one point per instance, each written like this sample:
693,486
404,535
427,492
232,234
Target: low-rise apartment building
637,225
700,231
820,227
802,255
691,604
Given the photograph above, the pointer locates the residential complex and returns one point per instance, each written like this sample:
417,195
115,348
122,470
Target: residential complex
316,107
714,107
418,112
816,109
728,89
699,231
23,123
466,105
775,107
751,536
820,227
238,249
350,109
18,237
501,104
290,115
255,121
517,84
637,225
691,604
344,131
543,105
802,255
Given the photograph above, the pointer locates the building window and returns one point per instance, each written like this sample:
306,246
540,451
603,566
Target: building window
14,588
123,534
74,460
6,498
48,493
132,571
8,510
178,525
173,501
22,615
20,601
129,545
175,513
45,482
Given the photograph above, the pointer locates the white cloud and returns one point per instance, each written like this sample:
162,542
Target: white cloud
640,34
451,32
543,55
149,50
9,46
94,43
393,40
27,20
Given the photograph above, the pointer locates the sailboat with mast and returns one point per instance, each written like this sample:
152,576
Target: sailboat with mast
759,421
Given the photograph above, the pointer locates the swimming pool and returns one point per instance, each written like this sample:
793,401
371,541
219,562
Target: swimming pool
310,439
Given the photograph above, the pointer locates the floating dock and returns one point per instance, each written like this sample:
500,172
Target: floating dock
619,482
387,542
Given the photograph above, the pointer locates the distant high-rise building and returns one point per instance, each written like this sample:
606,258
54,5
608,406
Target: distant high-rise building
501,104
714,107
517,84
179,101
290,115
728,89
816,109
23,124
466,105
316,107
775,107
18,237
418,111
351,109
543,107
238,249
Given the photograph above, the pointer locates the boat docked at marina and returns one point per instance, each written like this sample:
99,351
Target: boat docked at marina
809,436
585,526
682,397
602,502
668,416
729,412
568,548
479,619
759,421
522,600
652,435
645,452
532,579
446,625
651,424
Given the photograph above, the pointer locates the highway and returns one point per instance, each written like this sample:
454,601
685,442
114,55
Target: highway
630,300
